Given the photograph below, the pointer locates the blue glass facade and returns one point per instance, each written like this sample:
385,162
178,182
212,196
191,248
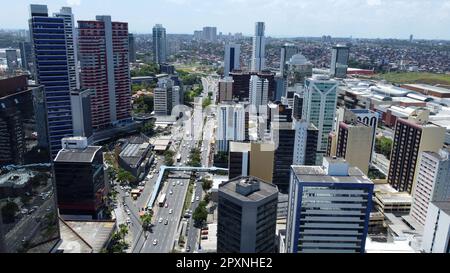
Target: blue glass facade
52,71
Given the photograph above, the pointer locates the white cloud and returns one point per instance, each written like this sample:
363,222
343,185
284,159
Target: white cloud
73,3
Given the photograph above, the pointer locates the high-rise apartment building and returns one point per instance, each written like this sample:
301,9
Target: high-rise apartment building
159,44
247,215
71,45
81,112
231,125
283,135
105,69
319,108
411,138
209,34
259,48
339,61
80,179
305,146
259,92
251,159
436,234
51,65
132,48
329,208
433,183
11,59
225,89
232,58
353,143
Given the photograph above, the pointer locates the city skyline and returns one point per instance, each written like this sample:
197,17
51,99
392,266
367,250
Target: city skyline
356,18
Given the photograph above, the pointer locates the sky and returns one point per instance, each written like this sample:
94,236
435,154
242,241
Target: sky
425,19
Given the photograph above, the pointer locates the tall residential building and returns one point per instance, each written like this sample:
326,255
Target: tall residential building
259,48
51,63
259,91
225,89
232,58
71,43
353,143
132,48
159,44
433,183
369,118
319,108
329,208
241,83
251,159
436,234
287,51
305,146
80,179
23,123
209,34
105,69
247,216
81,112
339,61
166,97
231,125
412,137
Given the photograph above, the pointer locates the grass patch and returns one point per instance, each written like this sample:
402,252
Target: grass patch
416,77
187,200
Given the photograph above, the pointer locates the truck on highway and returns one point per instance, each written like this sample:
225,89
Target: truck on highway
162,200
179,158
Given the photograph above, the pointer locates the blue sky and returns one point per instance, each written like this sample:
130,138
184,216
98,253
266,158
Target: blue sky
427,19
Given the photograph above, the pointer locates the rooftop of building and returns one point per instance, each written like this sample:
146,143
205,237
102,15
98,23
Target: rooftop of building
89,236
395,246
210,245
337,171
429,87
85,155
133,153
393,198
248,189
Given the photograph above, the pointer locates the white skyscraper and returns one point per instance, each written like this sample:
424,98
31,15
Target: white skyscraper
319,108
71,40
232,58
231,125
433,183
259,92
287,51
259,48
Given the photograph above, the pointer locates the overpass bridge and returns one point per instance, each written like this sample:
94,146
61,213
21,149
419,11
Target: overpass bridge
164,169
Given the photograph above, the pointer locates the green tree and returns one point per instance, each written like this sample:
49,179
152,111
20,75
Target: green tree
125,177
207,184
168,158
383,145
200,214
147,220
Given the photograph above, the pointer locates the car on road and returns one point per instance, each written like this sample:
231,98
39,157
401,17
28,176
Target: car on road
128,212
181,184
188,249
197,198
160,220
178,182
171,192
166,205
155,242
166,222
170,211
174,184
128,221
